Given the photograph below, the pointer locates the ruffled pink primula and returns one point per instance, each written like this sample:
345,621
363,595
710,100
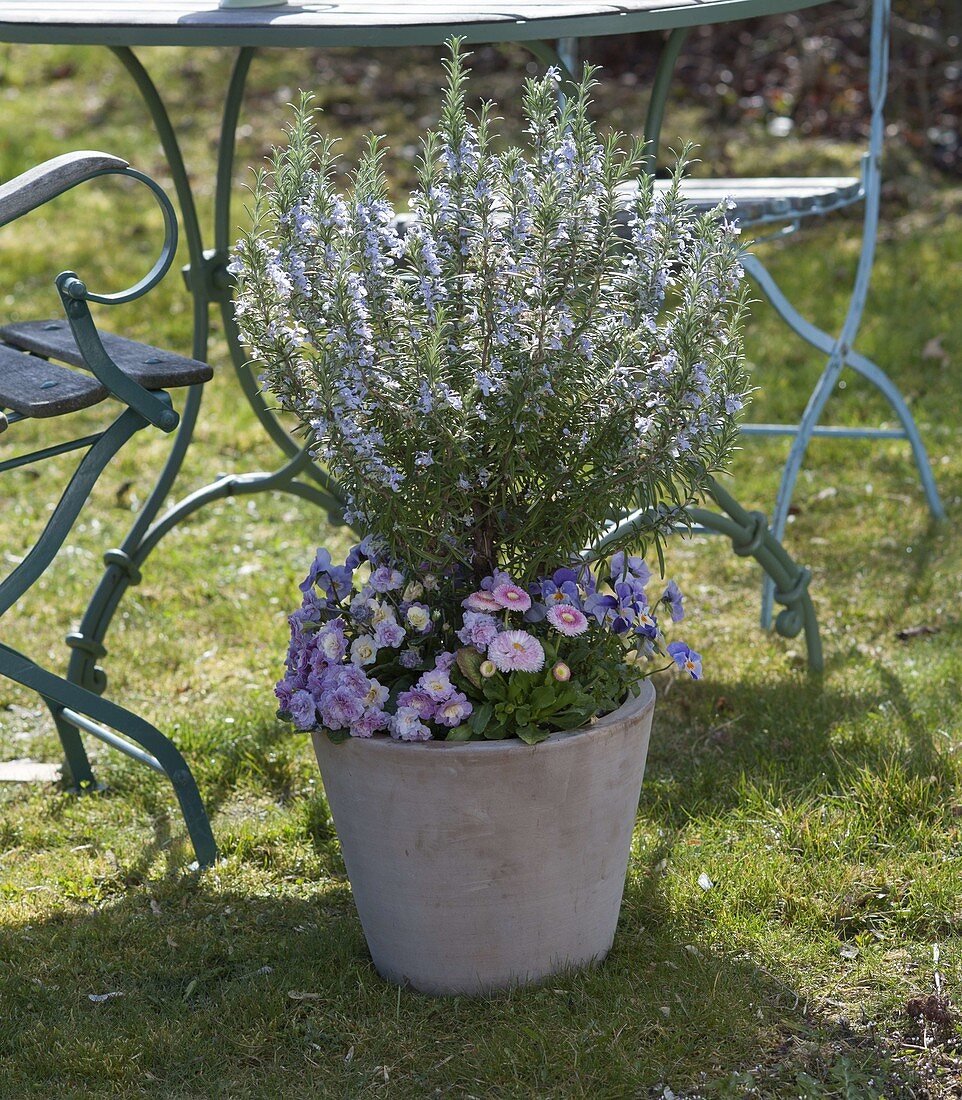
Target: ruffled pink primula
512,597
516,651
568,620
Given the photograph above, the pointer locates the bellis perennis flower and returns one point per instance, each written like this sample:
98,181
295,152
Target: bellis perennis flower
516,651
567,620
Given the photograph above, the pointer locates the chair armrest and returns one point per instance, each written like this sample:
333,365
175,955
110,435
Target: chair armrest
44,182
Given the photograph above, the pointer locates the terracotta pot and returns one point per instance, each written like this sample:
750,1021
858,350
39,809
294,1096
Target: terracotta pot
477,866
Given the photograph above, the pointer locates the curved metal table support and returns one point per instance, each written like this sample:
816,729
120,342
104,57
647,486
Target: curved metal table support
210,284
751,536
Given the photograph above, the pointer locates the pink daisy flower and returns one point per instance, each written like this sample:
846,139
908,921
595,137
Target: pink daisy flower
516,651
568,620
481,601
512,597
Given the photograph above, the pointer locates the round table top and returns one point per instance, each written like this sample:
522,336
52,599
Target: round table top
357,22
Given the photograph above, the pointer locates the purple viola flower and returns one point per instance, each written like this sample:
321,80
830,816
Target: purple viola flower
633,568
334,580
418,700
452,712
675,601
337,582
314,682
600,606
302,710
389,634
339,708
479,630
646,625
386,579
418,617
360,608
321,564
626,607
406,725
497,577
445,660
302,622
377,695
368,549
561,592
686,659
370,722
313,607
535,613
343,698
299,667
565,575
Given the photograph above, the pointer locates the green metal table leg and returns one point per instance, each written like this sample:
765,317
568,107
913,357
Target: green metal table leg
655,116
209,283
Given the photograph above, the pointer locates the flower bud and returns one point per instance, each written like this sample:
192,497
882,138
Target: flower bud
561,672
487,669
414,591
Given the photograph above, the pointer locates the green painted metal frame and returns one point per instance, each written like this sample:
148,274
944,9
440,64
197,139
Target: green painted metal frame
73,707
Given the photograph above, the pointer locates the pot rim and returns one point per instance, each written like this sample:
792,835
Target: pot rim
632,707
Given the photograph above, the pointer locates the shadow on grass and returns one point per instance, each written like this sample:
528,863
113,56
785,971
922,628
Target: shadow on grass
221,992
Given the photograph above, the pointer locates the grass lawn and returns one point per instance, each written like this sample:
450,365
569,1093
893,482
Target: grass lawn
826,813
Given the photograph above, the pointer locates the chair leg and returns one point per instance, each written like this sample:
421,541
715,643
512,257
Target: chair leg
75,706
871,372
82,778
841,354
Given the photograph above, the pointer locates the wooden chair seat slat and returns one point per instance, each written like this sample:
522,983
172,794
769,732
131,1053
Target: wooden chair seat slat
37,388
153,368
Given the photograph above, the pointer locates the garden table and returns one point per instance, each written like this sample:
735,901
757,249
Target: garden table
548,28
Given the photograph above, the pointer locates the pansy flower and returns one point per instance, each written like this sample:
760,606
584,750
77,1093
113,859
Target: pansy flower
673,598
453,711
686,659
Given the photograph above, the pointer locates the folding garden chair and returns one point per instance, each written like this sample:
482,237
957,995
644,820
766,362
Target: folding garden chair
786,203
52,368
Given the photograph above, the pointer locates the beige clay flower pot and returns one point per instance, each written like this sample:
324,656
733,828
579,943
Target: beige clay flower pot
476,866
